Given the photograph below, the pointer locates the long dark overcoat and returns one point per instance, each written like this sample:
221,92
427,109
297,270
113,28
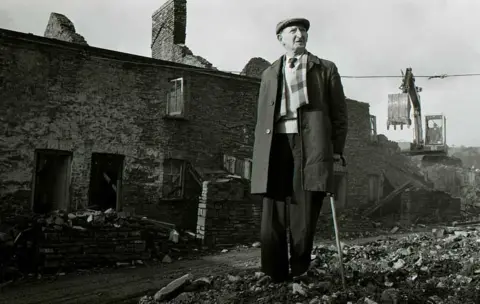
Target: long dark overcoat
322,124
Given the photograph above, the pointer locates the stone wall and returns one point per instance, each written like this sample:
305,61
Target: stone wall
367,155
61,28
64,96
169,26
427,206
255,67
227,215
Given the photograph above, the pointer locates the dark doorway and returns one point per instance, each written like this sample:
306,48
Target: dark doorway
51,180
105,181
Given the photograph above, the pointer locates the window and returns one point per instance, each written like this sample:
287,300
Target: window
373,128
176,98
173,173
236,166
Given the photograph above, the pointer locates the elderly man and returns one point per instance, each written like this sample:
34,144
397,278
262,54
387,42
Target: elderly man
300,132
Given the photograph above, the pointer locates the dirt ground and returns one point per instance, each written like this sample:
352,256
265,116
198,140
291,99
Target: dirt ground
127,285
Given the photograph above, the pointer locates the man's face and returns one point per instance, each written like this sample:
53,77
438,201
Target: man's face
294,38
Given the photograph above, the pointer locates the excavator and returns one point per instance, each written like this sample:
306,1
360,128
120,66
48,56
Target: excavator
433,147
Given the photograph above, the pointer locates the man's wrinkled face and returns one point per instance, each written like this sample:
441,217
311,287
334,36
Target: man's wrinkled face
294,38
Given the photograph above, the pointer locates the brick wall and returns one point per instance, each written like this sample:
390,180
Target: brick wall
58,95
227,215
169,25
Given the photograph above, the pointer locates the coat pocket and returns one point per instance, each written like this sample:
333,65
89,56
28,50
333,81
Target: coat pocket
317,134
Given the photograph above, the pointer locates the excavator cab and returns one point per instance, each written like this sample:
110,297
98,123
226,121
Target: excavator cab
435,133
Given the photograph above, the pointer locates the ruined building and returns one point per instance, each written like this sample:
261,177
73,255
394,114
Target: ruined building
85,127
88,127
169,27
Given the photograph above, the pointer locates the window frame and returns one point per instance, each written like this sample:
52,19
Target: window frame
179,105
168,174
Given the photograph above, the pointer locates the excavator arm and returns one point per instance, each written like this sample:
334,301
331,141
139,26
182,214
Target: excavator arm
408,87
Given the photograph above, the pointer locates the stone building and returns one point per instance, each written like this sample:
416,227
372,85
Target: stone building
87,127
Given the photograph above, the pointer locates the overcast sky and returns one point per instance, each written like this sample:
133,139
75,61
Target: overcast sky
368,37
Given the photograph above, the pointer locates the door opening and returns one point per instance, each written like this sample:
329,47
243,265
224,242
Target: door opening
105,181
51,180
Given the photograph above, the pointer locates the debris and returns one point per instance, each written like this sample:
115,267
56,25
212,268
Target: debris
438,233
232,278
86,239
418,268
298,289
166,259
394,230
256,245
173,288
173,236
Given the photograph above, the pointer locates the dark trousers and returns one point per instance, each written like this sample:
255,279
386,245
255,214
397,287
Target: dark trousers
300,215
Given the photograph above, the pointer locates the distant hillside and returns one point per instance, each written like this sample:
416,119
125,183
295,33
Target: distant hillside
470,156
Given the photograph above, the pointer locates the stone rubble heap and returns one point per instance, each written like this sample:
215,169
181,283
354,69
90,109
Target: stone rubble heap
442,267
63,242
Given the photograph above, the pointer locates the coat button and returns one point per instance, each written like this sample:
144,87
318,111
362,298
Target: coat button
272,102
268,131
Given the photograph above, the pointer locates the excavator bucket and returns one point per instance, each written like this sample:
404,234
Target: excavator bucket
399,106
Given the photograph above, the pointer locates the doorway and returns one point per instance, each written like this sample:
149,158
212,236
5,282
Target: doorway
51,180
106,181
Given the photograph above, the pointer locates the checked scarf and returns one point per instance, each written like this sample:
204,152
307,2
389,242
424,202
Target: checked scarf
298,87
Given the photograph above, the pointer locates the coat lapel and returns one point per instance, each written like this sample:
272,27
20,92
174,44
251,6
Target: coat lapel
312,60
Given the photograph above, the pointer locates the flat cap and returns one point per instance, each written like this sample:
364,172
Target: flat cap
293,21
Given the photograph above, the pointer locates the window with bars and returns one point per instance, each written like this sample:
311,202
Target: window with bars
173,178
176,98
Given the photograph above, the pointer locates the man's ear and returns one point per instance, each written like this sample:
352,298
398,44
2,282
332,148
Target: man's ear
279,37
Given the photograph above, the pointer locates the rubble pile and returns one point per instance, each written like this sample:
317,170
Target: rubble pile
352,223
66,241
438,268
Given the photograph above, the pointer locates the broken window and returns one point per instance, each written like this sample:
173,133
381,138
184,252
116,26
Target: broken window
176,98
373,128
236,166
173,178
51,180
105,181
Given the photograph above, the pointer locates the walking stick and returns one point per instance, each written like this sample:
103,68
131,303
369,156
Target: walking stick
335,227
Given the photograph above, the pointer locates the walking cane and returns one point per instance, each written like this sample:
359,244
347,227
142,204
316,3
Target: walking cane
335,227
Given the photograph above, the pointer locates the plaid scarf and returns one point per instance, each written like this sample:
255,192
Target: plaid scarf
298,87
